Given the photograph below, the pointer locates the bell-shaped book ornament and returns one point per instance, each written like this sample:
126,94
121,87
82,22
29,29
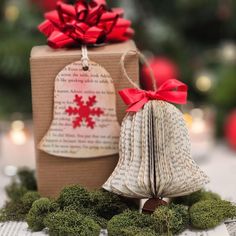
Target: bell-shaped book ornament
84,121
154,147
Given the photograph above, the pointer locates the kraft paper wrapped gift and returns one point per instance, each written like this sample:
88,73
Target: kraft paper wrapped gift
54,172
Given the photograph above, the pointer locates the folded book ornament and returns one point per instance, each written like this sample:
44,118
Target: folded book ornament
154,146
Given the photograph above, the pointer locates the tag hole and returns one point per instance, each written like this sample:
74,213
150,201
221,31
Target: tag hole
85,68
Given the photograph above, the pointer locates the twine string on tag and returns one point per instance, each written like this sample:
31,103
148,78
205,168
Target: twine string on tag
85,58
144,60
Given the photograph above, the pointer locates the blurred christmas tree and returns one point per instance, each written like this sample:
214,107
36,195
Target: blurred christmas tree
197,35
18,30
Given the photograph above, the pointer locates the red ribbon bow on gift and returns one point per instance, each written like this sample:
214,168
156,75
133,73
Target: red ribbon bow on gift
85,23
171,90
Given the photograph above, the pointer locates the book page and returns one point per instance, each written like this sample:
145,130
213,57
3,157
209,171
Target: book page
118,179
144,172
131,178
84,121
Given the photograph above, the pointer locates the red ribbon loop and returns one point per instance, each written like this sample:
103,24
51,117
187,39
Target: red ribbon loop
85,23
171,91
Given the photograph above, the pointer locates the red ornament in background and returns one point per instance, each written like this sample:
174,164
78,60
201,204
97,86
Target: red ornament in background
230,129
163,68
46,5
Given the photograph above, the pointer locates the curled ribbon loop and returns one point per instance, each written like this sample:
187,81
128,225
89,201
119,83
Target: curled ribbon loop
85,23
171,91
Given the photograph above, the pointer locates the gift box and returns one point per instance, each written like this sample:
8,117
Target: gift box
53,171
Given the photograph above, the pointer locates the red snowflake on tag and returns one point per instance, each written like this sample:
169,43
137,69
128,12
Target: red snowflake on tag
84,111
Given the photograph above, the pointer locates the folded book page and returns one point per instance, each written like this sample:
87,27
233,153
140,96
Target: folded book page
155,158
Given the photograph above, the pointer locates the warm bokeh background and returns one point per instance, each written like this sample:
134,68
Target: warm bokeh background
193,41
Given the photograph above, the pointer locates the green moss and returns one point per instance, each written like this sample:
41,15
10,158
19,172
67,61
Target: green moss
192,198
17,210
106,204
90,213
210,213
75,196
15,191
24,182
13,211
71,223
39,210
27,178
101,203
29,198
128,219
171,219
137,231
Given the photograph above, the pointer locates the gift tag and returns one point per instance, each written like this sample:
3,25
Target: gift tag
84,121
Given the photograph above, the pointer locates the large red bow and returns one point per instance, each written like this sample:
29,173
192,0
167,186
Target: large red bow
171,91
85,23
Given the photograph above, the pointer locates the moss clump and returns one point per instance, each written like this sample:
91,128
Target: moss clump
90,213
71,223
39,210
106,204
171,219
24,181
75,196
198,196
101,204
29,198
137,231
15,191
17,209
12,211
27,178
210,213
126,219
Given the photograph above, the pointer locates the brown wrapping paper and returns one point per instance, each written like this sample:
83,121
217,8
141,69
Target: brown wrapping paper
53,173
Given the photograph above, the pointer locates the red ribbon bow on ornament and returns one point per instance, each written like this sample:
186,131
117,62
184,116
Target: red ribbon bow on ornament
85,23
171,91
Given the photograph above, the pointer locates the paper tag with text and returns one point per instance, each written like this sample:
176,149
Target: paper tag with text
84,121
